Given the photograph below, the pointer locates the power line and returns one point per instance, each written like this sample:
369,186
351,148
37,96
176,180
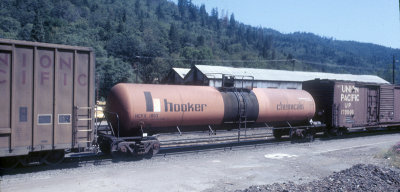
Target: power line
259,61
215,60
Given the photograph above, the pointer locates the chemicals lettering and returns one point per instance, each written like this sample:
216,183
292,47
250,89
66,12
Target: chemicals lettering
289,107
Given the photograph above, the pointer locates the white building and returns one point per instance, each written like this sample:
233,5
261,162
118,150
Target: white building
265,78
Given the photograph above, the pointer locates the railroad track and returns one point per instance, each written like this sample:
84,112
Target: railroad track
75,160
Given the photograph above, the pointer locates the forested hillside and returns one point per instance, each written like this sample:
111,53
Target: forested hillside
148,37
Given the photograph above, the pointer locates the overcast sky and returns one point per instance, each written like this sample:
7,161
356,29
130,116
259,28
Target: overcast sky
371,21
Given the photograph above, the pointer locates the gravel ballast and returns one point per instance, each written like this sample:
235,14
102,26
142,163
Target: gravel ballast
360,177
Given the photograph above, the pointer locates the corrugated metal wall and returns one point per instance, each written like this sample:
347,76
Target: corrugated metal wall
40,86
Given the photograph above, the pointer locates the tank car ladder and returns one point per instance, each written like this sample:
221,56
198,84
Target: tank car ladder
242,111
77,128
229,81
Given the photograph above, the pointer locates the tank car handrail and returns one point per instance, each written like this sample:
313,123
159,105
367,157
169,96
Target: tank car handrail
242,77
109,123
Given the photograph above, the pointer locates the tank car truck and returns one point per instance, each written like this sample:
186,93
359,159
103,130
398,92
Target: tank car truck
352,106
47,93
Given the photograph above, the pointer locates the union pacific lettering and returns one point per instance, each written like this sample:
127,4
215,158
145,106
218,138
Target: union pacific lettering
289,107
189,107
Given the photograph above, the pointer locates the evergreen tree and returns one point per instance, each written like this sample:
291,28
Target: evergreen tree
203,15
232,26
174,39
38,33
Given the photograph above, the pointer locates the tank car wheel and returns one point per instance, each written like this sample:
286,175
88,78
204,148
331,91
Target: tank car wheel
310,137
105,147
116,153
8,162
53,157
277,133
149,154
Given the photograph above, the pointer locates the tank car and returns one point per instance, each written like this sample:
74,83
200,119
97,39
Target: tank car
134,110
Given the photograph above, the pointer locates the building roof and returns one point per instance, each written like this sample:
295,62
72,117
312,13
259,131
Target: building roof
181,71
215,72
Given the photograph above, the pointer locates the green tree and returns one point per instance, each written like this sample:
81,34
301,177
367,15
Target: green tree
38,33
173,35
232,26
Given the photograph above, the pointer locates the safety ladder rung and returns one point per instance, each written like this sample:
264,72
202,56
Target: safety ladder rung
84,108
83,141
85,119
84,130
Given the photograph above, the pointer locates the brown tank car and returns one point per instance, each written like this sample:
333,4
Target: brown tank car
142,106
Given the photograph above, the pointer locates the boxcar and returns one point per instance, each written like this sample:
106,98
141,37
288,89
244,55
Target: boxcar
344,105
47,93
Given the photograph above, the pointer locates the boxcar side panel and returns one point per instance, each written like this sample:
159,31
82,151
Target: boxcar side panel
44,100
21,124
5,101
91,90
360,108
350,101
397,104
63,111
81,98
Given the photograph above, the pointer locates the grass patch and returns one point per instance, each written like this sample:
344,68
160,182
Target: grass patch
393,155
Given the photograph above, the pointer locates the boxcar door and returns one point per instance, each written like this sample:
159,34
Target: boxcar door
397,104
372,106
386,103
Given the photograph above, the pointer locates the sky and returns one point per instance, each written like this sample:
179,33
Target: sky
369,21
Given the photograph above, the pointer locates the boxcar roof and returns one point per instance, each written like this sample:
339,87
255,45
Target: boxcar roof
43,45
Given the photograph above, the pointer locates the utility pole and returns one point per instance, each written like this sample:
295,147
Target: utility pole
394,67
293,62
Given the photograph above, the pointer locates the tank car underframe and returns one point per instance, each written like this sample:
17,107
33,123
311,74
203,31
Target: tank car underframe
135,146
297,133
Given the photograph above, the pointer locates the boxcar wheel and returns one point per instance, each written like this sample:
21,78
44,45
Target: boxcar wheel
54,157
341,132
8,162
